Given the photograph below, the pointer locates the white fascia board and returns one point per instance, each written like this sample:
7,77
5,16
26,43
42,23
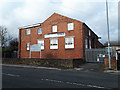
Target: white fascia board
38,24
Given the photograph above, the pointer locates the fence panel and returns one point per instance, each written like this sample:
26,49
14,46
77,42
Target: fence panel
91,55
10,54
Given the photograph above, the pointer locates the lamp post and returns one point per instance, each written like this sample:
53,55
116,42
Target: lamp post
108,36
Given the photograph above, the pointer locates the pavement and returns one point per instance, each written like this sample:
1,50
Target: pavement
88,67
30,66
25,76
96,67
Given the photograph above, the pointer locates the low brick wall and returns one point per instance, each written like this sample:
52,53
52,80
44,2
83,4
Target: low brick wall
60,63
113,62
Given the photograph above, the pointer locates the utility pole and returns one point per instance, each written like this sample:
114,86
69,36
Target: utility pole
108,36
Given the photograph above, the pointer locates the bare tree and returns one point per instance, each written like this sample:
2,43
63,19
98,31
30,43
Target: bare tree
4,36
13,42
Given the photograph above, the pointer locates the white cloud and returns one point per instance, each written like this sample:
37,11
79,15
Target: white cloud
15,14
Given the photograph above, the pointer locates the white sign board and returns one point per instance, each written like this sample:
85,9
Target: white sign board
35,47
61,34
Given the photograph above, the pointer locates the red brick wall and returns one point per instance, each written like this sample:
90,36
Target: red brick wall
93,37
99,45
113,61
61,52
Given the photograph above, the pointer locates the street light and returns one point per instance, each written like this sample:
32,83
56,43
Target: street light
108,36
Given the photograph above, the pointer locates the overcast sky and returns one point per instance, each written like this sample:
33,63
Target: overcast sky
18,13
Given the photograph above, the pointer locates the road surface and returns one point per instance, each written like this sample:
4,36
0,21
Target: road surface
19,77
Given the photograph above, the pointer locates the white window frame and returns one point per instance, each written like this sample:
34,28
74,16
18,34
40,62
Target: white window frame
28,31
69,44
86,43
28,46
70,26
39,30
41,41
89,43
52,45
89,33
54,28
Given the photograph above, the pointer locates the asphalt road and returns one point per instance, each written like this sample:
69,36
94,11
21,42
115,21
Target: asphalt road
18,77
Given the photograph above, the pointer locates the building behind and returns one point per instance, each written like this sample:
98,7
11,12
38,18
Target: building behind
60,38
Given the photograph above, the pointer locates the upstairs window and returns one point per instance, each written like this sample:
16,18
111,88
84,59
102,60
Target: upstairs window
54,28
70,26
41,42
39,30
54,43
69,42
27,31
89,33
28,46
86,43
89,43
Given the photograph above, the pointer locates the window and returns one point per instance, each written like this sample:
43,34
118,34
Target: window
89,43
27,31
70,26
86,43
28,46
89,33
54,43
69,42
54,28
41,42
39,30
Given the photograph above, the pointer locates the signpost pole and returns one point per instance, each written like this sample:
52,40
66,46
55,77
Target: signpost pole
30,54
40,50
108,36
40,53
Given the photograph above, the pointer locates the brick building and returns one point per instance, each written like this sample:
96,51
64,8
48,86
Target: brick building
60,37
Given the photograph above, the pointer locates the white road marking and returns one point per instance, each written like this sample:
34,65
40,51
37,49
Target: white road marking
73,83
11,75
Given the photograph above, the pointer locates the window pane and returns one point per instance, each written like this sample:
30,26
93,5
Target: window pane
69,42
27,31
89,33
54,43
86,45
70,26
89,43
54,28
39,30
28,46
41,42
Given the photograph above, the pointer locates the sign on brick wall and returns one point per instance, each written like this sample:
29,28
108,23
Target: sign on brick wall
61,34
35,47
